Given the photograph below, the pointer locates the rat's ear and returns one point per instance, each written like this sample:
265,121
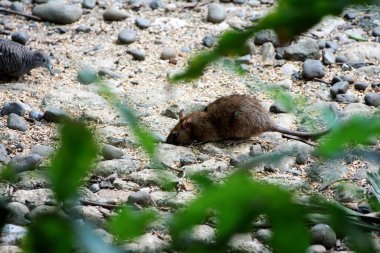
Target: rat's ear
187,123
182,114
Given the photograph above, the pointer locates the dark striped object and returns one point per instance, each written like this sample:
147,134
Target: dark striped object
17,60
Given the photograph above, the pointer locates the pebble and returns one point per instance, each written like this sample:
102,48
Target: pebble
264,235
141,198
89,4
328,56
94,187
168,53
268,54
4,157
332,45
17,6
170,7
17,123
13,107
20,37
208,40
254,3
302,50
372,99
142,23
58,12
54,115
114,14
83,28
216,13
361,86
17,213
162,178
110,152
265,36
347,98
350,15
137,54
255,150
199,234
127,36
172,111
339,88
324,235
156,4
25,162
120,166
313,69
37,115
376,31
42,150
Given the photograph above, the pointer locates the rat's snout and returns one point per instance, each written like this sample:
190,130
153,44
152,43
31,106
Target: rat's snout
171,139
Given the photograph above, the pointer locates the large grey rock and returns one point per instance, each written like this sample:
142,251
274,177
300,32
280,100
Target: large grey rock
348,192
208,166
216,13
24,163
33,198
147,243
180,200
265,36
327,172
12,234
16,122
313,69
357,109
114,14
42,150
162,178
339,88
58,12
120,166
110,152
364,52
13,107
203,234
324,235
372,99
91,214
243,243
302,50
34,179
268,54
17,213
171,155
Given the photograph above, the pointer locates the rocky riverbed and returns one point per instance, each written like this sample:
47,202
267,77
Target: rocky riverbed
134,45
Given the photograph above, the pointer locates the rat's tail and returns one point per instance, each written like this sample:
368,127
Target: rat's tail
303,135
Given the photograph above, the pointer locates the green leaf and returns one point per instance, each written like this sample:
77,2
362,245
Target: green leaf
357,130
73,160
49,233
128,224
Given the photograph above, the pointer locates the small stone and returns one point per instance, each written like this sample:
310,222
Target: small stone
361,86
208,40
4,157
155,4
339,88
137,54
255,150
199,234
254,3
332,45
170,7
141,198
89,4
350,15
376,31
54,115
268,54
239,1
17,123
168,53
216,13
245,59
328,56
302,50
20,37
37,115
316,249
372,99
17,6
94,187
142,23
114,14
172,111
264,235
265,36
25,163
87,75
324,235
127,36
347,98
83,28
13,107
110,152
313,69
239,160
17,213
58,12
42,150
321,44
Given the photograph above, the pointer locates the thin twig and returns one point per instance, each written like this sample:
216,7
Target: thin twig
92,203
20,14
299,139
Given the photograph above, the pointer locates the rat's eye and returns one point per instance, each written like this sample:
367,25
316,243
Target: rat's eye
175,135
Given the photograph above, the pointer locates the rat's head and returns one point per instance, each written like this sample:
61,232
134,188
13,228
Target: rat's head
181,133
40,59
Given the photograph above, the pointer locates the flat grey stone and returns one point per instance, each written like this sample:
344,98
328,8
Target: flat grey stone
313,69
127,36
302,50
216,13
114,14
120,166
110,152
162,178
13,107
17,123
25,162
58,12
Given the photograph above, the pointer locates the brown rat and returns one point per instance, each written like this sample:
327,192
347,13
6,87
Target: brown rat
234,116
